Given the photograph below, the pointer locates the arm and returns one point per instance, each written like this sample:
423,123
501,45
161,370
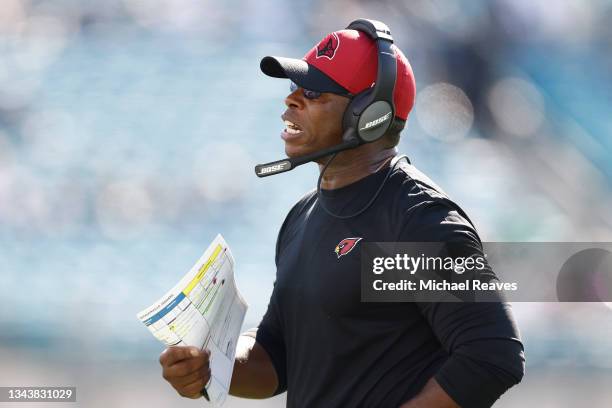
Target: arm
254,375
260,364
485,354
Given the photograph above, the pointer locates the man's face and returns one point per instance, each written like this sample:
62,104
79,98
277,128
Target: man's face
312,124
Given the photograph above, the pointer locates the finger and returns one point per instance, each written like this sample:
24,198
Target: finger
186,367
203,373
174,354
194,389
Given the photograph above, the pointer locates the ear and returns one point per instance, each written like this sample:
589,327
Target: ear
353,111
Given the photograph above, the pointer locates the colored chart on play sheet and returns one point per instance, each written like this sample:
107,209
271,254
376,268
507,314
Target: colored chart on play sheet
205,309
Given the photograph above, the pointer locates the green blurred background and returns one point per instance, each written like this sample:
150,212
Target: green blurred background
129,130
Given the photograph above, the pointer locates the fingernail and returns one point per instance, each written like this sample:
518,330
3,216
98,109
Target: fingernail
194,352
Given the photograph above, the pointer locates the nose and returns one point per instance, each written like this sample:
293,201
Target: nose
295,99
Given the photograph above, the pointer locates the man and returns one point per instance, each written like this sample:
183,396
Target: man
317,340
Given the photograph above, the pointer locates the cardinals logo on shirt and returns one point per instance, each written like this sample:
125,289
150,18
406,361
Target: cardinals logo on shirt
327,48
345,246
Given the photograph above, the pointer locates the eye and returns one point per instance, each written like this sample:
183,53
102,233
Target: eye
308,94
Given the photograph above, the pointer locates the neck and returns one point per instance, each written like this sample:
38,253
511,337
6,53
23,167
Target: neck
353,165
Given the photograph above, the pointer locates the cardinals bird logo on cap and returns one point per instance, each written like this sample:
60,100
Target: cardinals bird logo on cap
345,246
328,46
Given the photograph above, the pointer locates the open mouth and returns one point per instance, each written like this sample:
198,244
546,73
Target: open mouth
292,128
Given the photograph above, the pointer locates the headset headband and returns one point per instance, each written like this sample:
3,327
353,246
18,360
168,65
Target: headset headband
387,64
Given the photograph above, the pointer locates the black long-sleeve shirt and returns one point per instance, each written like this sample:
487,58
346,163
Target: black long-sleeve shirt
332,350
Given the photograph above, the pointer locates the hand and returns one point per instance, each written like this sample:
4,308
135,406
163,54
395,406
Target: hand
187,369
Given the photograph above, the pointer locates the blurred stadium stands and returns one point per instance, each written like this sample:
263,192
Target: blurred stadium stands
129,130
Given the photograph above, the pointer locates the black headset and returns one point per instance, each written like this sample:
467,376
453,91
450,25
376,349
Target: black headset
369,114
372,112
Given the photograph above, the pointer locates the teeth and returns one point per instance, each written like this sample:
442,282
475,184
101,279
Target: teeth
292,131
292,128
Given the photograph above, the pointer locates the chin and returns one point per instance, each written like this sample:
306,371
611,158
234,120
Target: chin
296,151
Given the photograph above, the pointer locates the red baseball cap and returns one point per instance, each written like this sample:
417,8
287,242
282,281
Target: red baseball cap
344,62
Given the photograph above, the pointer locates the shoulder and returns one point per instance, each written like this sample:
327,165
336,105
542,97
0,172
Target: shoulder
303,203
425,211
416,189
301,206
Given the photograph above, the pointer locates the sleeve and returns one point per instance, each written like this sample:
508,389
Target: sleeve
270,337
270,331
486,356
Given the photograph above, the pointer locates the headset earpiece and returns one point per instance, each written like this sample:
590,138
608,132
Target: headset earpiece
369,121
374,121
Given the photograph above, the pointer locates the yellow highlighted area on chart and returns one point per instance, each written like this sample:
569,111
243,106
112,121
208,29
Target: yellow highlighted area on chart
202,270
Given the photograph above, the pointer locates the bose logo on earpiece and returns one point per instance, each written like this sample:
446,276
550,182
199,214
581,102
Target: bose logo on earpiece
376,122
